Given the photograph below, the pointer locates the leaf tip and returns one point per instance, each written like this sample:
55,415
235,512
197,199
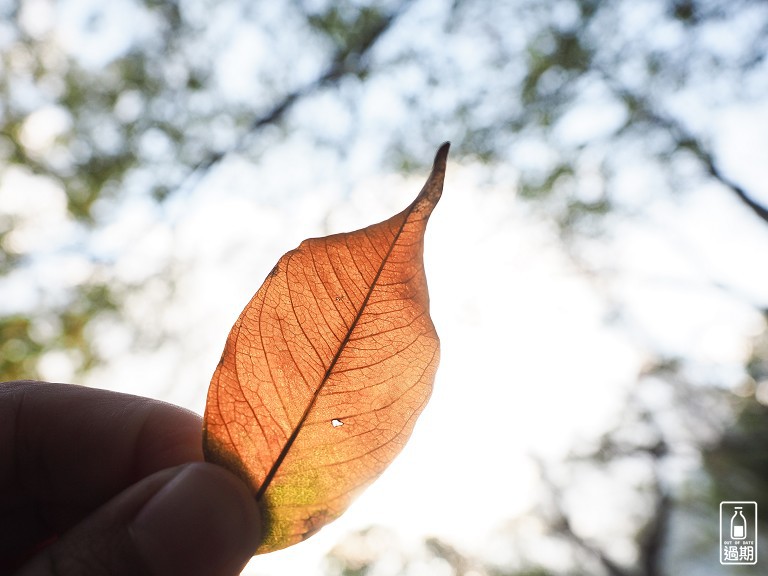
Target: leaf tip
441,156
433,189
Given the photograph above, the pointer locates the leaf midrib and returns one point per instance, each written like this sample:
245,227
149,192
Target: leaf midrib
300,424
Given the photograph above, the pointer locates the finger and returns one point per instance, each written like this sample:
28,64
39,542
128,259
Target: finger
65,450
196,519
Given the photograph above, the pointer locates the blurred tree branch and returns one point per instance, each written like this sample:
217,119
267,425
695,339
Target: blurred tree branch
350,58
686,140
561,524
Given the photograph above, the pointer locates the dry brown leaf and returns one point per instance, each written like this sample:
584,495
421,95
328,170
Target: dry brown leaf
326,370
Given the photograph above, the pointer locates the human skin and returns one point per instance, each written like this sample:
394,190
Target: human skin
97,482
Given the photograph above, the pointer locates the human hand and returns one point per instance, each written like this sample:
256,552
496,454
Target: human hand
96,482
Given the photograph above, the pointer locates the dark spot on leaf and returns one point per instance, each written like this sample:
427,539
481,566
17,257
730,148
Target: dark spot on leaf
226,351
315,521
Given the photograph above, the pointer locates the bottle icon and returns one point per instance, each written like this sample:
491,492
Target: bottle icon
738,525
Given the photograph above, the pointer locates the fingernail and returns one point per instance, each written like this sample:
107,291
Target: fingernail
203,521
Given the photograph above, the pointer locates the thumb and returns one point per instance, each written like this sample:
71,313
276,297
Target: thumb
195,519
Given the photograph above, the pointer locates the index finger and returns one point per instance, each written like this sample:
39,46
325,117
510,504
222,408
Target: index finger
67,449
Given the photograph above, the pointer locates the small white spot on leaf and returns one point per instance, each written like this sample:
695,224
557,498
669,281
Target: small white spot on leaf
336,423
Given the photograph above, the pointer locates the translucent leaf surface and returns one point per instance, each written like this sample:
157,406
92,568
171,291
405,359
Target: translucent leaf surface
326,370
